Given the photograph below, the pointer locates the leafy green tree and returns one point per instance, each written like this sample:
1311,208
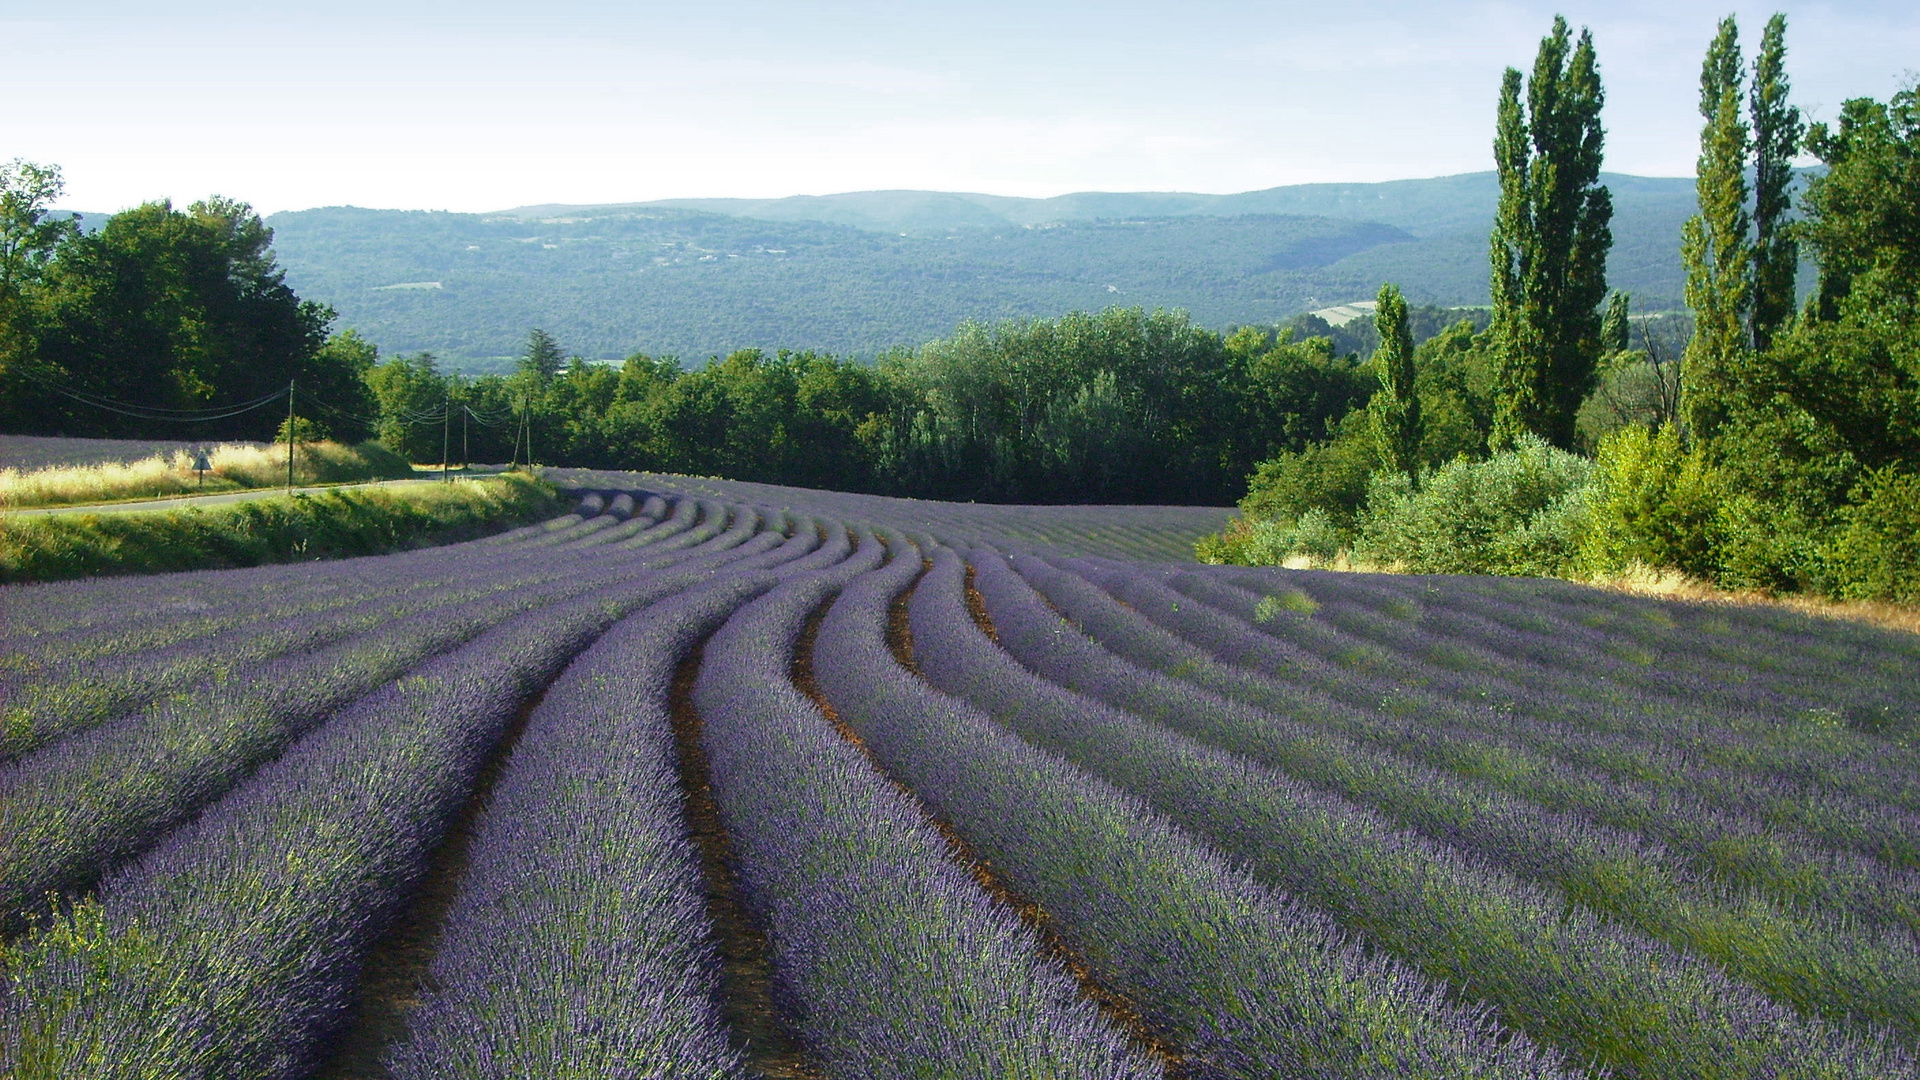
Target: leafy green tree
1396,405
1550,240
333,386
28,239
1455,383
1777,131
412,396
993,411
1838,394
1288,394
1714,244
28,236
1863,215
183,310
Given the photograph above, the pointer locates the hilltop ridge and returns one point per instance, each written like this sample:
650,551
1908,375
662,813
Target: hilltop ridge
860,272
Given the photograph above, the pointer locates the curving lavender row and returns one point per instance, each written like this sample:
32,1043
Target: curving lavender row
177,610
232,949
1737,644
1824,967
1586,693
1734,848
89,690
1552,970
578,943
73,809
1839,806
892,959
1630,678
693,522
1480,662
1243,982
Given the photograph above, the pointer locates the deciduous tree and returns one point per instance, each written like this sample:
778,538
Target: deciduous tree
1714,244
1550,239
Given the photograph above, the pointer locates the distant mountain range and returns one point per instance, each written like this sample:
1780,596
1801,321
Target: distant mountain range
860,272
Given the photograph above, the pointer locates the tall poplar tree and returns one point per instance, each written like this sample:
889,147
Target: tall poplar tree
1395,407
1713,244
1777,130
1550,240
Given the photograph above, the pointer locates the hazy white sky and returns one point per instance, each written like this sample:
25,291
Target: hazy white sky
480,105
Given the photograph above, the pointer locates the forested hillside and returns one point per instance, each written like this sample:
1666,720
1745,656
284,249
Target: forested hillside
859,273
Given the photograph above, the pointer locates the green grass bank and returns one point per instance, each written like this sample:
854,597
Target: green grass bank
300,527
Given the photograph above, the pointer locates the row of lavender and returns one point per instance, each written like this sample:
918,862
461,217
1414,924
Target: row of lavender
1788,823
1441,878
72,809
230,947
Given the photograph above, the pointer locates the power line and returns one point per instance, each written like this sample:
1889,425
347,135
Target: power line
161,413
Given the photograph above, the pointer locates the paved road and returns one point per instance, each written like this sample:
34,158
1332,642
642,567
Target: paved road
180,501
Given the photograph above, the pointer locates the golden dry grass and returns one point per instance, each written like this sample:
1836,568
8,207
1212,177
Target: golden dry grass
1673,585
236,466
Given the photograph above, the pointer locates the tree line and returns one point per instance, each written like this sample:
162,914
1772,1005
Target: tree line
1123,405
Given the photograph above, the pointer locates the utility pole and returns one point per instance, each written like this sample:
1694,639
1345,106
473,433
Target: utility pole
289,436
466,455
446,429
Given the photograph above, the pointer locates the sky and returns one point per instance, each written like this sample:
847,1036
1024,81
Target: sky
477,106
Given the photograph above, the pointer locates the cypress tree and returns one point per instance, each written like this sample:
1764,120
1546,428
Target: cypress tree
1777,130
1713,244
542,358
1395,406
1550,240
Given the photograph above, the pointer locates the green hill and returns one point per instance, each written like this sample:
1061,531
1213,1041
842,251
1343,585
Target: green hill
860,272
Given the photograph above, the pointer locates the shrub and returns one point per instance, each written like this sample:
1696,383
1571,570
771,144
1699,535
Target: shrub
1653,504
1329,476
1272,541
1875,555
1522,511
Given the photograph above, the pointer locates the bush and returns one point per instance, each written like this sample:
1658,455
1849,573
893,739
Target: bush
1272,541
1329,476
1522,511
1653,504
1876,553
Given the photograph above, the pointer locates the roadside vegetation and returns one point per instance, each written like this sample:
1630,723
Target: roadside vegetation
296,528
232,467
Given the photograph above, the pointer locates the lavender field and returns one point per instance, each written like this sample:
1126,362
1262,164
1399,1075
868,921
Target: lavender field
723,780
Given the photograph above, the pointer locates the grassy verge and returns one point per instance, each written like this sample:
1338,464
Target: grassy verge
367,521
235,467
